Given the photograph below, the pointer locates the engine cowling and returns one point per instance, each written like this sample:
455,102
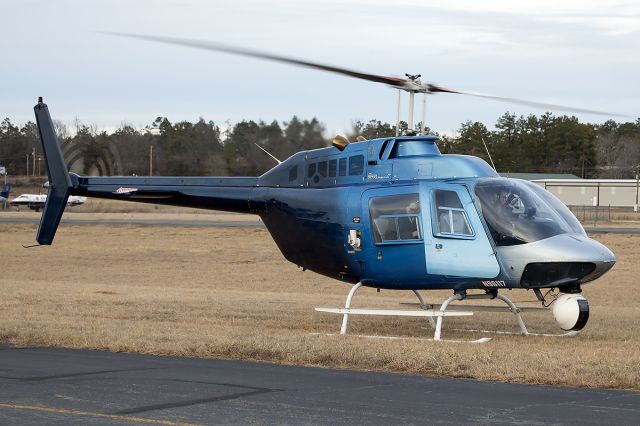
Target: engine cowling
571,311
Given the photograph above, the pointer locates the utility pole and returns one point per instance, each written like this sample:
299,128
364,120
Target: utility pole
4,203
635,206
150,160
33,169
27,165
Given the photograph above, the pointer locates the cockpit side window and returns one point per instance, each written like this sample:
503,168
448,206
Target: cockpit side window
450,219
519,212
384,146
395,218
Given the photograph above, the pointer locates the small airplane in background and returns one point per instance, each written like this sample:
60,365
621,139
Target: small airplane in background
4,195
38,201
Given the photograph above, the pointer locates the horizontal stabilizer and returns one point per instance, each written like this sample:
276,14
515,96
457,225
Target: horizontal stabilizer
59,180
394,312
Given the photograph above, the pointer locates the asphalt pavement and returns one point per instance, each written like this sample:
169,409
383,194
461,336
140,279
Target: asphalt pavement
62,386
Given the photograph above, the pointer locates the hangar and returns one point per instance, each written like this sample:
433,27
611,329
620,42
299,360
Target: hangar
574,191
594,192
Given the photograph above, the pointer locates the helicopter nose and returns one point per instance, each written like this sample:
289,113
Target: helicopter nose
558,260
606,257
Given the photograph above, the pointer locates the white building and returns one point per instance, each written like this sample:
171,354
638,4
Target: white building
593,192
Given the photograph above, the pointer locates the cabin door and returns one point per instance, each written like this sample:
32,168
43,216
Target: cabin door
392,236
457,244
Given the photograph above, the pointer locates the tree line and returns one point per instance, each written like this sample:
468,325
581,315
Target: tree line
538,144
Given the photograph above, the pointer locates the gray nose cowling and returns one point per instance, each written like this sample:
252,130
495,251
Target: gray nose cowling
562,260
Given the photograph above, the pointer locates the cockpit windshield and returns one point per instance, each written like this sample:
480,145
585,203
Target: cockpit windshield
519,212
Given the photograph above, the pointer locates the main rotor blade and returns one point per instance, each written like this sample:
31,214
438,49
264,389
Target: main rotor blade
400,83
218,47
433,88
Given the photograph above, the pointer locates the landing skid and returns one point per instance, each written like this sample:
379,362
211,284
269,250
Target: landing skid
493,294
424,339
429,311
513,333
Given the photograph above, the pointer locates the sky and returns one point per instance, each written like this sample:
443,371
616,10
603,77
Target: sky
577,53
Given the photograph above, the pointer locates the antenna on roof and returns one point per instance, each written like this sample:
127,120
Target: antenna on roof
268,153
489,154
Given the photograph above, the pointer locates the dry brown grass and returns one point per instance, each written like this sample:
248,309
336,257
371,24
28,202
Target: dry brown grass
228,293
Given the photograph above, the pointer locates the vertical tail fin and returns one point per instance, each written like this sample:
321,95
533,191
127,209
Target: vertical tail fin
59,180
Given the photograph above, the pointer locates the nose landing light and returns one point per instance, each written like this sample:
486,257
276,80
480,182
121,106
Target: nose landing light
571,312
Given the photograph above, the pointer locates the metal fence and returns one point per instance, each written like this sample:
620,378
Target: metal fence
591,214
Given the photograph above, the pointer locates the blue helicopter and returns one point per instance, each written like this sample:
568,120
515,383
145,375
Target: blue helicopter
391,213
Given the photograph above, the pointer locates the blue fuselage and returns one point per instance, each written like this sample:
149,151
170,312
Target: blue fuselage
417,216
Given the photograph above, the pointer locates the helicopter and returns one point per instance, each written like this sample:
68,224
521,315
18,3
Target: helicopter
390,213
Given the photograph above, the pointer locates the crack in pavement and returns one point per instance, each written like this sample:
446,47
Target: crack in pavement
64,376
187,403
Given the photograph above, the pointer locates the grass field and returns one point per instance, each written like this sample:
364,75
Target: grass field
228,293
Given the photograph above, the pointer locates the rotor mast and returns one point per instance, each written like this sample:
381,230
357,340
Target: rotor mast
413,86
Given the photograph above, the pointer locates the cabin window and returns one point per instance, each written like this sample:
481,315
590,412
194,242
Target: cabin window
384,146
293,173
356,165
322,168
451,219
333,165
342,167
395,218
312,170
413,148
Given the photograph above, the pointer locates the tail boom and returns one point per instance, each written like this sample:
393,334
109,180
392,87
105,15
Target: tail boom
232,194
